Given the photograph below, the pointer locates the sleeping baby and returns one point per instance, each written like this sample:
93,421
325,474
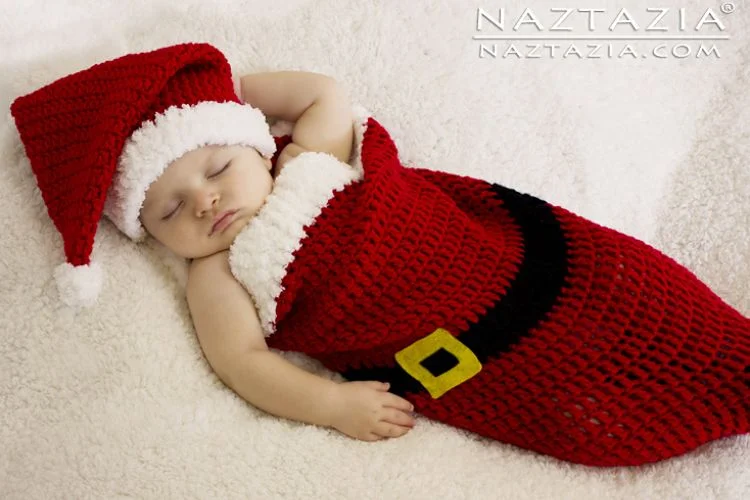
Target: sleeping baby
199,205
463,300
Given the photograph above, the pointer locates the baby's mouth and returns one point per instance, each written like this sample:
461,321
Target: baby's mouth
222,221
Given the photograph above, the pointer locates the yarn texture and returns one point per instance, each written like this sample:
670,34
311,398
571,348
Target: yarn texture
98,138
492,310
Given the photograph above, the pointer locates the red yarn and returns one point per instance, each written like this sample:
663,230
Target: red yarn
74,128
596,348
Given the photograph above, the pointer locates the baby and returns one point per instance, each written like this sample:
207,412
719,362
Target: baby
200,204
483,308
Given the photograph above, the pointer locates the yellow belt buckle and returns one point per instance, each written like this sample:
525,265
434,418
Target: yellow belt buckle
410,358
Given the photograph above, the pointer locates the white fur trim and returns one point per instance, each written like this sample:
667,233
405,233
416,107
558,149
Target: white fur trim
261,253
156,144
79,286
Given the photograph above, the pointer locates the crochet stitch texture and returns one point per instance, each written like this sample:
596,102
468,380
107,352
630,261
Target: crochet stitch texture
593,346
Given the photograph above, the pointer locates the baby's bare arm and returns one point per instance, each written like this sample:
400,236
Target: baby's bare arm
319,105
281,388
230,335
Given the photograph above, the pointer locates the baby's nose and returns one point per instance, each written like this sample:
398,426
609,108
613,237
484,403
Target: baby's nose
205,202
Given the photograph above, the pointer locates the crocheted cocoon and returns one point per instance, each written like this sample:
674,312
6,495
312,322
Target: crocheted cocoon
501,314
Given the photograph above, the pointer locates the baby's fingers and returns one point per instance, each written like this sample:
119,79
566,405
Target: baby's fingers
399,403
397,417
387,429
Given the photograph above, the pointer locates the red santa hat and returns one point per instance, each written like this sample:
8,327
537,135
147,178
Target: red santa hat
98,138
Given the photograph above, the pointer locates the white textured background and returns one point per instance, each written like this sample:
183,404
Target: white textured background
118,402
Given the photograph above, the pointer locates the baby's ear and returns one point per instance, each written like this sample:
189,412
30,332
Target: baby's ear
267,161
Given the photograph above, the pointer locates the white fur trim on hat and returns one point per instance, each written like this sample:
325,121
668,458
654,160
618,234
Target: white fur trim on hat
79,286
176,131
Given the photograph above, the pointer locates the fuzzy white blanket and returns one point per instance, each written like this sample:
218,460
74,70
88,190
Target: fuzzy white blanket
119,402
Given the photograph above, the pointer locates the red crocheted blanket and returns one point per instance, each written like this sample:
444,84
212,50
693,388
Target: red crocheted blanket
501,314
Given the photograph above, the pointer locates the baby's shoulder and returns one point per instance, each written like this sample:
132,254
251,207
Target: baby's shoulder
210,279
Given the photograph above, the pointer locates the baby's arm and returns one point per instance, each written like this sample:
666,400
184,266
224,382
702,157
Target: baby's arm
230,335
319,105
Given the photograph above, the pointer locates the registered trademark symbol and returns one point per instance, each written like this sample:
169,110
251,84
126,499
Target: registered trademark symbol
728,7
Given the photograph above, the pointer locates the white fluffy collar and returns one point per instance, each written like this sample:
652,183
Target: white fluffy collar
262,251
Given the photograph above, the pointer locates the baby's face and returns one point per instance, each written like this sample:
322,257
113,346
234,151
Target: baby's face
182,204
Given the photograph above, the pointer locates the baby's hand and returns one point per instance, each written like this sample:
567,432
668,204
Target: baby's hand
367,411
290,151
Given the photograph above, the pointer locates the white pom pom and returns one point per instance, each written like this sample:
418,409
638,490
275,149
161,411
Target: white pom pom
79,286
